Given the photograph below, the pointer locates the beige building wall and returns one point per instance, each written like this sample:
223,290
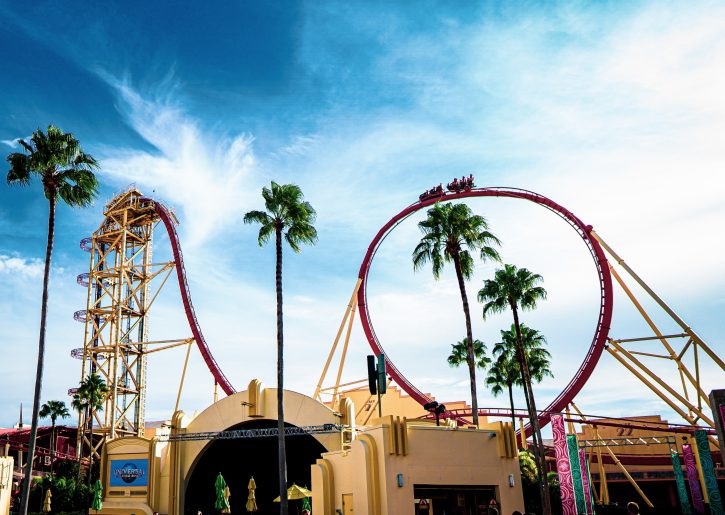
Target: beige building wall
431,455
366,467
6,483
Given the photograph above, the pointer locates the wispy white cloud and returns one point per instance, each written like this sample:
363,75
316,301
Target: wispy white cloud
207,176
13,143
24,267
617,117
572,120
299,146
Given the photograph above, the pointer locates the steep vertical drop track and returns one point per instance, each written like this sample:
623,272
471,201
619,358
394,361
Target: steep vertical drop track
211,363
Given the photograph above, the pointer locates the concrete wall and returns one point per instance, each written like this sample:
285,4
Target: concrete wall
128,499
299,410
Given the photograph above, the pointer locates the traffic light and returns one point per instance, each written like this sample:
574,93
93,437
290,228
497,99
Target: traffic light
377,375
372,376
382,376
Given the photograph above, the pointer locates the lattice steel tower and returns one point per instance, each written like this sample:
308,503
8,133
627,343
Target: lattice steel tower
122,284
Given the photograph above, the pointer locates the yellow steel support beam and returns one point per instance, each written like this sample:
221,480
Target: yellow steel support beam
353,300
661,303
183,375
656,330
671,391
350,320
618,463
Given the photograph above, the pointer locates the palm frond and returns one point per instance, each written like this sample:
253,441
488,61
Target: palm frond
19,173
65,170
467,264
459,354
451,232
287,211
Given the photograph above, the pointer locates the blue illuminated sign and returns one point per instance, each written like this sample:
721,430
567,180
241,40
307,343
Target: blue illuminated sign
129,473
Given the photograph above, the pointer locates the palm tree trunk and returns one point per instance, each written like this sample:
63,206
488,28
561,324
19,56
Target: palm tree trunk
511,400
41,358
282,453
533,415
52,445
90,422
470,358
81,417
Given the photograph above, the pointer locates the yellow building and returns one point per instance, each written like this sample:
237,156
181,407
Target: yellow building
391,466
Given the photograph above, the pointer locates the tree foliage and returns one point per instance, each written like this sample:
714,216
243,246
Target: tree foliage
459,354
56,158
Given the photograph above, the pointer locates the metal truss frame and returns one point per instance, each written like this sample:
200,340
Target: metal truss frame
239,434
123,282
686,397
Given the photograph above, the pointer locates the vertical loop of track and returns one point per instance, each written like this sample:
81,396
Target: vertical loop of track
600,261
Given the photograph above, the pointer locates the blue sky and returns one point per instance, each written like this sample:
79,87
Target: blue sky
613,110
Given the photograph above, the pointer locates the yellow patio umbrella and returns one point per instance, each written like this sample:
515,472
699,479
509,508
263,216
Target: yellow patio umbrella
227,495
46,501
295,492
251,501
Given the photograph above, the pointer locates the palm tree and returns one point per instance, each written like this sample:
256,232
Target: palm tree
66,173
90,397
450,233
505,371
459,354
287,215
514,288
53,410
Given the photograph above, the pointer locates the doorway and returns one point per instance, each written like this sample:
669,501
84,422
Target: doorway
240,459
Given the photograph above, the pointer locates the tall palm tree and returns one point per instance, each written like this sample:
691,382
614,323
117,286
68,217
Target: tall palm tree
91,396
287,215
505,371
66,174
451,232
513,288
53,410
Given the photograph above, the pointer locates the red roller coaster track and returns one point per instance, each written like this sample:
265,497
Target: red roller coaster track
564,398
600,261
214,368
